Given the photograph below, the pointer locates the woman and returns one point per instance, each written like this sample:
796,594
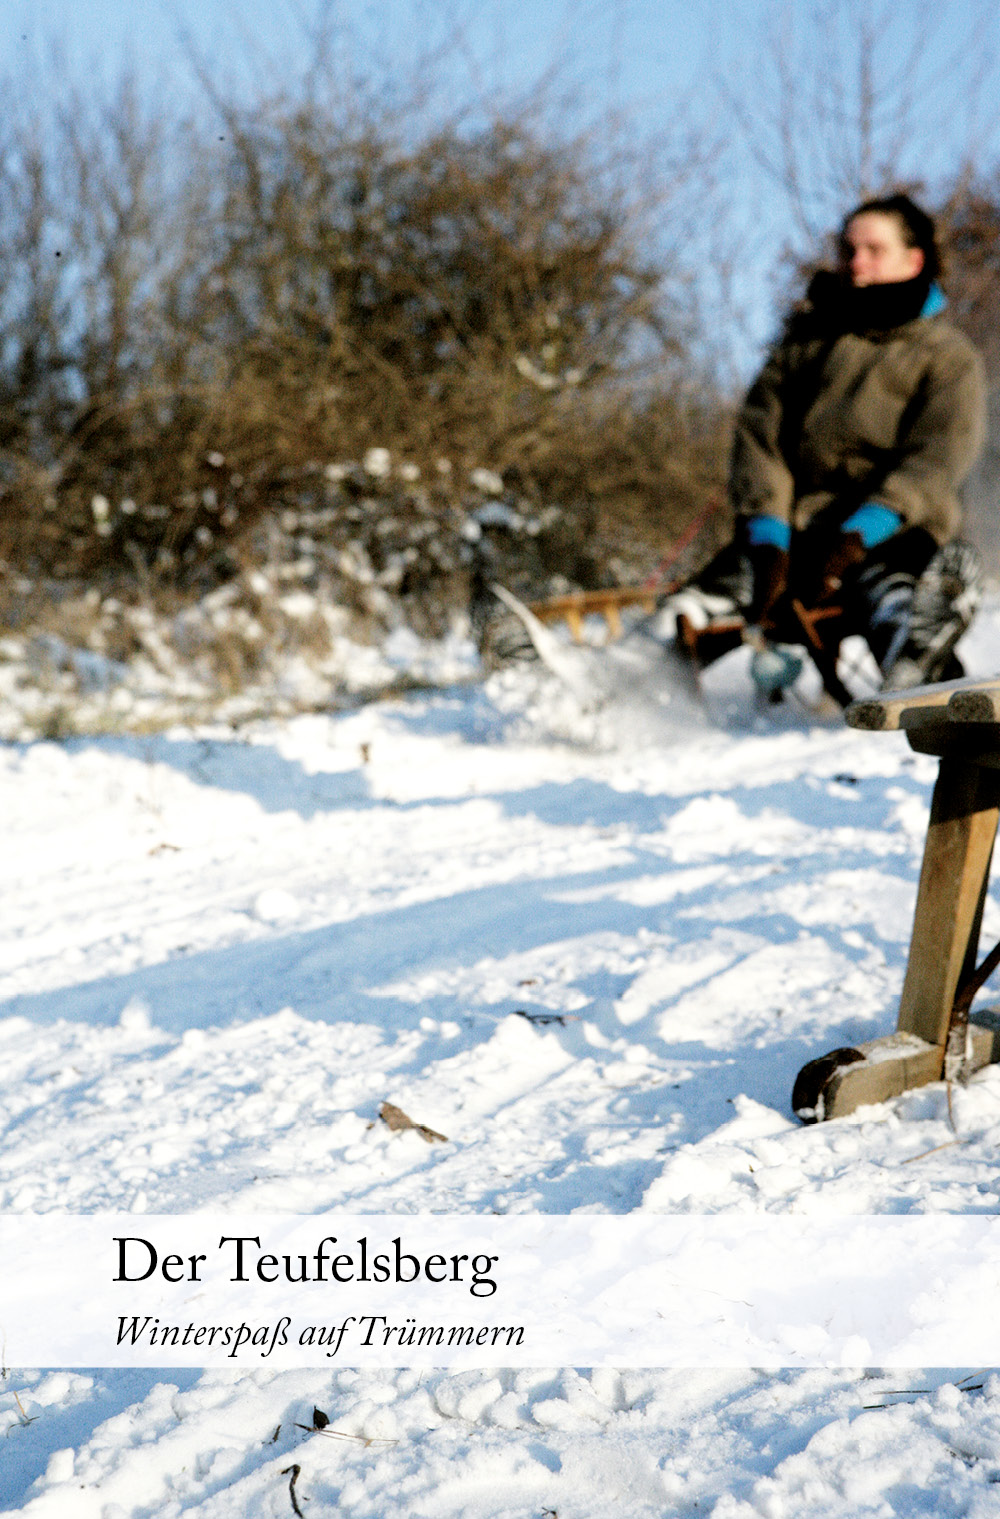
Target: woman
848,454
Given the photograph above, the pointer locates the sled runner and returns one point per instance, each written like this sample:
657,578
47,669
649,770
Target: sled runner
935,1038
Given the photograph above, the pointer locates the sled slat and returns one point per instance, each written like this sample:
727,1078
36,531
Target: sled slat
976,704
950,700
574,621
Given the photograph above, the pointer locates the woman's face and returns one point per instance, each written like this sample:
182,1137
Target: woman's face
875,251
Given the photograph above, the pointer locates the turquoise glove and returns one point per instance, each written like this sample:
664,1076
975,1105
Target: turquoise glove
770,531
873,523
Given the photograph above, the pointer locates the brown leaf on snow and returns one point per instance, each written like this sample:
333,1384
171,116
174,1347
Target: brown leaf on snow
396,1119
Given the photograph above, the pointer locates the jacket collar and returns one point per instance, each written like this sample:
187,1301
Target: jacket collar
936,301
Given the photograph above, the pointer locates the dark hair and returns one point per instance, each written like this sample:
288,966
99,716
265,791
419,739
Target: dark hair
917,227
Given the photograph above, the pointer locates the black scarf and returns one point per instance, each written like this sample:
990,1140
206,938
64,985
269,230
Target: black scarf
837,306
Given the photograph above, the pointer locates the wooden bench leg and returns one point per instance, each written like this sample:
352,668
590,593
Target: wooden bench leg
943,950
953,877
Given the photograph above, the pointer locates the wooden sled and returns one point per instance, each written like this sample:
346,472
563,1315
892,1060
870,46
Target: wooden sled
935,1038
576,606
819,629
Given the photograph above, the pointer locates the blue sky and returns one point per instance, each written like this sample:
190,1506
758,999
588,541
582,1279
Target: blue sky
646,63
623,49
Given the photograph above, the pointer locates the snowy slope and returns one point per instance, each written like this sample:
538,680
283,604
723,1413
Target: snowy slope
592,950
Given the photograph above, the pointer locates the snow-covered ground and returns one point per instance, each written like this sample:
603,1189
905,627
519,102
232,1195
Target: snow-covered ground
590,949
507,1445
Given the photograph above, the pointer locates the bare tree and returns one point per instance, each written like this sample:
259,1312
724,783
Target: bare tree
847,98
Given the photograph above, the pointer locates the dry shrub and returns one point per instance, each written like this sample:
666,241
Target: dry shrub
190,338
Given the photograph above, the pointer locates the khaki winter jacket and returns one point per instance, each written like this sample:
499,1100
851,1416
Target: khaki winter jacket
896,417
